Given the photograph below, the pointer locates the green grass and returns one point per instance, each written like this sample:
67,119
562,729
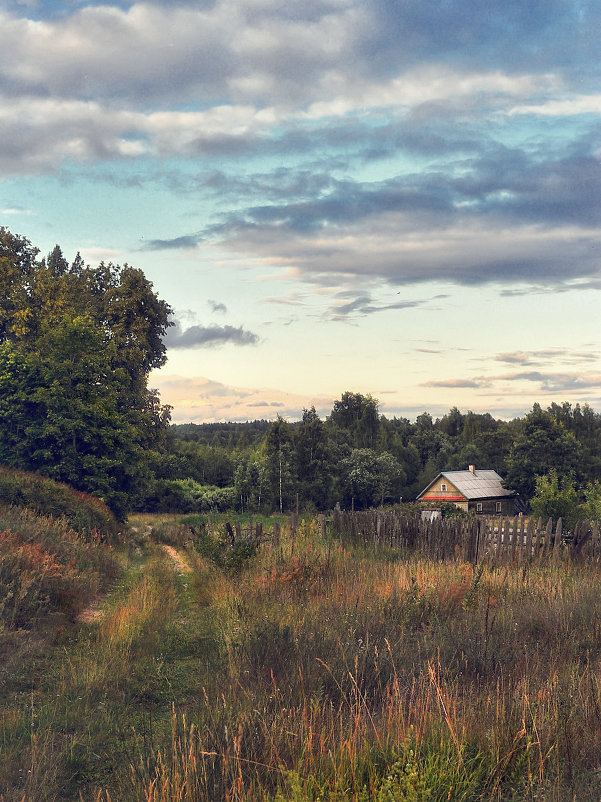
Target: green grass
87,515
315,671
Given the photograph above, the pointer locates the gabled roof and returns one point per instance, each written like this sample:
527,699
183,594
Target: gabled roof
474,485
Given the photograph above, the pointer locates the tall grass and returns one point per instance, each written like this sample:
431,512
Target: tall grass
47,569
73,732
315,670
87,515
349,674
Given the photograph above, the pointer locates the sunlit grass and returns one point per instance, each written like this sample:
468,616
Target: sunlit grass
313,670
354,675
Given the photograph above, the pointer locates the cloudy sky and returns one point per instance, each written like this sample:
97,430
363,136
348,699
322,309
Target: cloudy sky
395,197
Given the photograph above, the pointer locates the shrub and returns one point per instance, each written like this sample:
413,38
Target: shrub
86,514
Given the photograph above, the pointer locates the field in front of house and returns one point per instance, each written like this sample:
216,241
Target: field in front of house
311,670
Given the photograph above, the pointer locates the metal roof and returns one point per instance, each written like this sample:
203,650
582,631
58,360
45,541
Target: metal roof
479,484
472,485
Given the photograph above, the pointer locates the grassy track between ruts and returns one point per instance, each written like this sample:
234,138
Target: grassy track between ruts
76,715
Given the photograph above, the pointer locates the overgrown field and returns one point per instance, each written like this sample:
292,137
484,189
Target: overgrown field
311,670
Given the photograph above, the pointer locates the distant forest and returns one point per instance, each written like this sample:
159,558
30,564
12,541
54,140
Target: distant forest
360,458
78,343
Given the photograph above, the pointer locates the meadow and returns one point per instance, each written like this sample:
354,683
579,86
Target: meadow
311,669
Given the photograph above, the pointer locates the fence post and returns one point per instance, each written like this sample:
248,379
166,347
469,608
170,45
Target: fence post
514,538
548,533
557,541
322,524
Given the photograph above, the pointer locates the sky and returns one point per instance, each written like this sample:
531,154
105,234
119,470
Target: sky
393,197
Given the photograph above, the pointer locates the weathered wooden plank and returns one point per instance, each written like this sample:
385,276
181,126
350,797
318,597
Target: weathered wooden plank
529,538
557,541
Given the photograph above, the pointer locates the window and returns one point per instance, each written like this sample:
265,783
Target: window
443,487
498,506
479,506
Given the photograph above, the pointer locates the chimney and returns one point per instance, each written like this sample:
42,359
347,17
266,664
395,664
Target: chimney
472,469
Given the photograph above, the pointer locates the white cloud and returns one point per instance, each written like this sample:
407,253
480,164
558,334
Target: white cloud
198,399
562,107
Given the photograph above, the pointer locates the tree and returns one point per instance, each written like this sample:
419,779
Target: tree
59,414
314,470
357,415
249,480
279,463
556,497
543,446
82,342
369,478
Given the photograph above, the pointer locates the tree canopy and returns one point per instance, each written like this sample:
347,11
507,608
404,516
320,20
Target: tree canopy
77,344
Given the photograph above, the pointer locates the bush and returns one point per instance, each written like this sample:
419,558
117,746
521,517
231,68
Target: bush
87,515
187,496
556,497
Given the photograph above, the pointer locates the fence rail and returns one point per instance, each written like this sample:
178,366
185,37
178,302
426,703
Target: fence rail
478,539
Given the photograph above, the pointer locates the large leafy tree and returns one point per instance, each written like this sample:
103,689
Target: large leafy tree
369,478
542,446
76,348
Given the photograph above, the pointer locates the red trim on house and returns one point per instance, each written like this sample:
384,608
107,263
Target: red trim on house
443,498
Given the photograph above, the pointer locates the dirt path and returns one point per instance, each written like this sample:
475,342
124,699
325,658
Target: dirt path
180,564
93,611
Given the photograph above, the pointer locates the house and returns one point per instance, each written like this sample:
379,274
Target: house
480,491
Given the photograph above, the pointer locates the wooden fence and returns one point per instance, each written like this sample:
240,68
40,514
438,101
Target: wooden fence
474,539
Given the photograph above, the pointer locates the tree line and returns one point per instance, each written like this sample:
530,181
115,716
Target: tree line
77,344
360,458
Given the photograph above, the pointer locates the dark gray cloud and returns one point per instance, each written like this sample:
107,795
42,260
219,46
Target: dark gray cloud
326,91
512,34
177,243
362,305
217,306
502,185
208,336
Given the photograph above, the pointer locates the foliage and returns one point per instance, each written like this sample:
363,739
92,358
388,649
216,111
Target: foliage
592,501
369,478
85,514
543,445
316,463
556,497
357,415
76,347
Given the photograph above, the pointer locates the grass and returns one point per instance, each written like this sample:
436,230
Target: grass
48,572
313,670
87,515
